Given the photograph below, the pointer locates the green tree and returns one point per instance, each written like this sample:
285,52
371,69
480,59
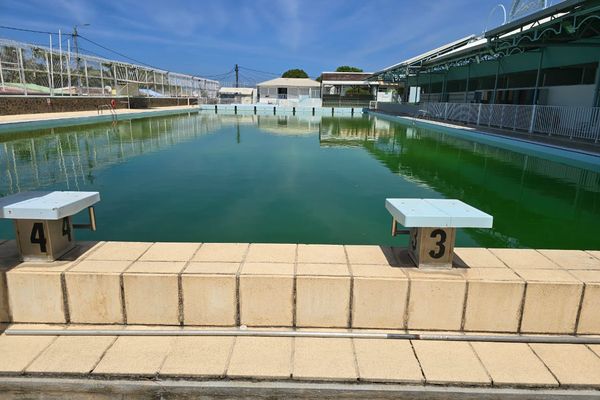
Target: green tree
294,73
347,68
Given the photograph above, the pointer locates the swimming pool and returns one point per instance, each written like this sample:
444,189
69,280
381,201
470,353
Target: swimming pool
298,179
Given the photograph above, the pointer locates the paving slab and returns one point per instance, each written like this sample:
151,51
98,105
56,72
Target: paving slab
450,363
378,271
170,252
35,296
511,364
324,359
359,254
271,252
95,297
221,252
267,300
595,348
135,356
379,302
212,268
261,357
475,257
205,356
267,268
589,318
556,287
71,355
387,361
209,299
494,299
161,307
524,259
114,251
311,269
17,352
321,253
572,259
156,267
436,300
571,364
99,266
323,301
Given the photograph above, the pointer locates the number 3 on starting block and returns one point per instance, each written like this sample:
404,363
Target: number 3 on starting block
432,246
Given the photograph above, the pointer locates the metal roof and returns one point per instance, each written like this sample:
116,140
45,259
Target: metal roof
546,12
441,49
290,82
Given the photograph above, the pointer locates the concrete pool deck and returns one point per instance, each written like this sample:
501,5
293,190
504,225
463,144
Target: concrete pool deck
20,122
138,286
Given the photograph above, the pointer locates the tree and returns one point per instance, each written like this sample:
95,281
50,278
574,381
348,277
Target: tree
294,73
347,68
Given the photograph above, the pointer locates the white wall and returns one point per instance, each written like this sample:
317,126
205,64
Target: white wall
575,96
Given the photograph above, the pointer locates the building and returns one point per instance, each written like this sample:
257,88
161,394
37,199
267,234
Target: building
548,57
354,89
290,92
233,95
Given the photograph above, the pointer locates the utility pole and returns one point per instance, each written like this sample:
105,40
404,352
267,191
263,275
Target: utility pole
237,70
77,55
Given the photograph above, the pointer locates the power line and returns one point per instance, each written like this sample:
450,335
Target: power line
262,72
117,53
12,28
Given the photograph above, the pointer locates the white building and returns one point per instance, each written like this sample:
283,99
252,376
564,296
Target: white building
354,88
290,92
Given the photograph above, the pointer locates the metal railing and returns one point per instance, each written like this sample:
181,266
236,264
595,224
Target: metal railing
571,122
29,69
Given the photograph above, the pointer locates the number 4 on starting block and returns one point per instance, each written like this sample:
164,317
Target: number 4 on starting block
433,224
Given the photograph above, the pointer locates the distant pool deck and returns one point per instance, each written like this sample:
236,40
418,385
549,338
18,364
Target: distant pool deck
21,122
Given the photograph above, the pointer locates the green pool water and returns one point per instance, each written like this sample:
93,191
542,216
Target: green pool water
297,179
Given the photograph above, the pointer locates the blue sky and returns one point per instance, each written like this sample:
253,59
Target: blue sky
208,37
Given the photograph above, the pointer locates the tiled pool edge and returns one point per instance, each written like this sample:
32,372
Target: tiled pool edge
555,153
504,290
21,126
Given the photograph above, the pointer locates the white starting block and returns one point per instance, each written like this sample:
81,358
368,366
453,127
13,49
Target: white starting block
433,224
43,226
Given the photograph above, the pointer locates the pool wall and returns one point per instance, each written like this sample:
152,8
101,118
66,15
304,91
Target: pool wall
575,157
302,286
275,109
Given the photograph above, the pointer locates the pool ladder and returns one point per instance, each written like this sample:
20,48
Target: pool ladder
113,113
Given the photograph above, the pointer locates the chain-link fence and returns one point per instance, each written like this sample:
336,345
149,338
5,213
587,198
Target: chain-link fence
27,69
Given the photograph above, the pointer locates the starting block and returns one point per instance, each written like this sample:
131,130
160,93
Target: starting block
432,227
42,220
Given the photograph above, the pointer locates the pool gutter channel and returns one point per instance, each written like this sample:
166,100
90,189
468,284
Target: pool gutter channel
558,339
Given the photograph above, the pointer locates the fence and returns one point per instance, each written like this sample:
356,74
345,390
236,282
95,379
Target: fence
332,100
28,69
571,122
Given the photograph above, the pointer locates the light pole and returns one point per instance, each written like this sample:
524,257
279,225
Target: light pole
77,54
